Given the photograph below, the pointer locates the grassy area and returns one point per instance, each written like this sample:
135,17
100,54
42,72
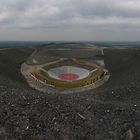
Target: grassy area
10,65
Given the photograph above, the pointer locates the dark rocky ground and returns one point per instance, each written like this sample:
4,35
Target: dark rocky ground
110,112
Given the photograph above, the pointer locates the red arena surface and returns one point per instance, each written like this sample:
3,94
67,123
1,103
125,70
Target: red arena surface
68,76
68,73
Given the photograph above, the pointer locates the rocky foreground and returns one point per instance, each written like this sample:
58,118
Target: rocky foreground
110,112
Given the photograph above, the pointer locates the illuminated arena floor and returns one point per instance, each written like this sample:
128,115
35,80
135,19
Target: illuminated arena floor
68,73
68,76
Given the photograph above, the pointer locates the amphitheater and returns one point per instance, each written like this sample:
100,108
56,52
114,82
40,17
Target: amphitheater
66,74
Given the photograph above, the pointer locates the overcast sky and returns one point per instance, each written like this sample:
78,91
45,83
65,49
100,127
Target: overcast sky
70,20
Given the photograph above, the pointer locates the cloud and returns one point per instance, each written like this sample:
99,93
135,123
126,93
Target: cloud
70,14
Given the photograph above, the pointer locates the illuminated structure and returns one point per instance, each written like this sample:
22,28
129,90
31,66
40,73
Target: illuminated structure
68,73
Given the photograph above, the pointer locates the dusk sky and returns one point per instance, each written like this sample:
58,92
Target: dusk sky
70,20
